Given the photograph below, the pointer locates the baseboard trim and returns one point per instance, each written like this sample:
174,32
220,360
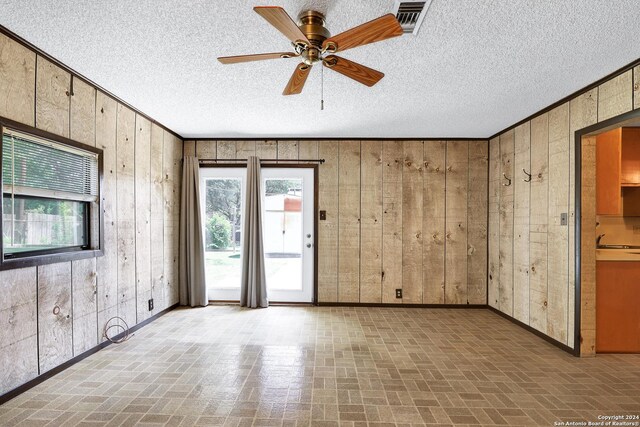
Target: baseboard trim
396,305
45,376
534,331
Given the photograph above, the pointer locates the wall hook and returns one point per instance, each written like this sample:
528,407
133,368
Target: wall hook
508,179
528,175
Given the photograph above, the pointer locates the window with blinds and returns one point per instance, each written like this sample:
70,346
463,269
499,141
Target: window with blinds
48,189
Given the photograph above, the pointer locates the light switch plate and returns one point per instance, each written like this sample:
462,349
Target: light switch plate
563,218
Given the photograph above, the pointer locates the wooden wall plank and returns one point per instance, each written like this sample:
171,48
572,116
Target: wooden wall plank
538,222
521,201
267,149
55,320
107,265
83,113
583,112
327,229
18,327
558,250
17,81
172,164
245,148
189,148
177,186
457,181
207,149
506,223
143,216
349,221
170,226
308,149
433,225
288,150
477,222
82,125
125,210
157,219
588,250
615,96
52,99
495,183
85,305
371,222
636,87
225,149
412,203
392,165
125,172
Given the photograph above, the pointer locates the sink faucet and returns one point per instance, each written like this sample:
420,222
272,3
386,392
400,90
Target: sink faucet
599,238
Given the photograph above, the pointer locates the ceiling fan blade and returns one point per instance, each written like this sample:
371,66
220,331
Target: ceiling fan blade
257,57
279,18
297,80
379,29
358,72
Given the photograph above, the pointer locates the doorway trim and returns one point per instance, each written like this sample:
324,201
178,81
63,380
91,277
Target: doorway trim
316,180
587,264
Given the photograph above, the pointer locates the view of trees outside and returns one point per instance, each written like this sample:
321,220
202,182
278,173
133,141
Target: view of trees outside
223,214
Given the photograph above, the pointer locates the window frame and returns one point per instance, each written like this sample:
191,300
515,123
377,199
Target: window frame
95,222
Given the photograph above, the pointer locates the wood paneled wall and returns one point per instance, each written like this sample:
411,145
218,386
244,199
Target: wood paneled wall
142,171
408,215
531,253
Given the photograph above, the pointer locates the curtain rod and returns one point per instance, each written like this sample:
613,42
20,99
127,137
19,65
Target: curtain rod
321,161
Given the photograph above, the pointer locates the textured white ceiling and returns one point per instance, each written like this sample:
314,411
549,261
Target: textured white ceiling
475,67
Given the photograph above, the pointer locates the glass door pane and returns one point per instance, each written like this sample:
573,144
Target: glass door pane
282,221
223,203
288,232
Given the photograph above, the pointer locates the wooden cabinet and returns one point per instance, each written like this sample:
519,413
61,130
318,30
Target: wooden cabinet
617,314
618,172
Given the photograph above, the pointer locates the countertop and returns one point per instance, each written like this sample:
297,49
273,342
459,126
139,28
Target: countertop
618,255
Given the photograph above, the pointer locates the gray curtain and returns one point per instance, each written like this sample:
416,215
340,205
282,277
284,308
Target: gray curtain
193,287
254,283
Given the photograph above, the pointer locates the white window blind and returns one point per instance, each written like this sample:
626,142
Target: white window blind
37,167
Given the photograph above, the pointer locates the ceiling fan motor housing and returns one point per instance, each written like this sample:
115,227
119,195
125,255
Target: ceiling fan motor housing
311,23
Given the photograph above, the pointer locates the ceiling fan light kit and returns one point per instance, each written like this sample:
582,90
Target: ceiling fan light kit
313,43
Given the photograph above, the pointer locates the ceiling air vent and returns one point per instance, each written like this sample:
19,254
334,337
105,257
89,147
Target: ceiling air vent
410,14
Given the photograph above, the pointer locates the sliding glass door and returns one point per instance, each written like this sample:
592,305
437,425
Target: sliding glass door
288,231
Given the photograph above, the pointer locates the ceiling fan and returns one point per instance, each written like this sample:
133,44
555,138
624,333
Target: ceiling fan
313,43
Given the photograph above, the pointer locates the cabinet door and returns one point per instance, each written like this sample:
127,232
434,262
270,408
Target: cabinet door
617,315
630,169
608,166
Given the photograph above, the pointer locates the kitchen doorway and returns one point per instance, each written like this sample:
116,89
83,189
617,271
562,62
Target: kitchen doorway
608,236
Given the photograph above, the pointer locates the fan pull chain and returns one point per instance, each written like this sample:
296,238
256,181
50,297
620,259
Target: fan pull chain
321,87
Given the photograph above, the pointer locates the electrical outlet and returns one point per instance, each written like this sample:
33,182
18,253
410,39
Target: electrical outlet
398,293
564,219
151,304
